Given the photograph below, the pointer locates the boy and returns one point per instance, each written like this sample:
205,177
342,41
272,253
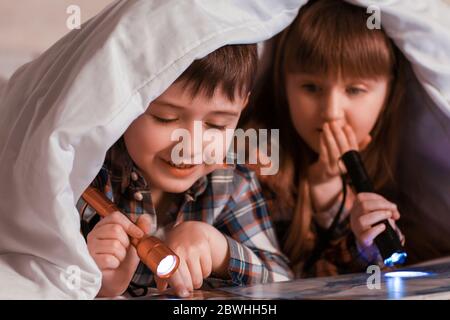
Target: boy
212,216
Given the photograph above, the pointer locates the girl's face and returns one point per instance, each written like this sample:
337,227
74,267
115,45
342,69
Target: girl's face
317,99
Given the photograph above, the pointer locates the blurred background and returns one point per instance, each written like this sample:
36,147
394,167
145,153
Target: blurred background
29,27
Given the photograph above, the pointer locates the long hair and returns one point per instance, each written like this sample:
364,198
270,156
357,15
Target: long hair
328,37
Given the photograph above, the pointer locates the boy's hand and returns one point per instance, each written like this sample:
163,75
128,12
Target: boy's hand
202,249
335,140
368,210
110,246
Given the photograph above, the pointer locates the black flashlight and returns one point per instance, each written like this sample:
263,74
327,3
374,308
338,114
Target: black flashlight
388,241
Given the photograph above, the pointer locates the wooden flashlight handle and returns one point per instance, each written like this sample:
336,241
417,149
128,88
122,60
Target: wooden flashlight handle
104,207
99,201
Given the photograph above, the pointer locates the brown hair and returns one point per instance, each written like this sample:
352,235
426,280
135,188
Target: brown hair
231,68
328,37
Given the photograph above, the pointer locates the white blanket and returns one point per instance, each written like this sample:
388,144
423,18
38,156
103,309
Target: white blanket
61,112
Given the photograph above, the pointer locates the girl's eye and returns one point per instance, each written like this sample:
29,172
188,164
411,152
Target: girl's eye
355,91
309,87
214,126
164,120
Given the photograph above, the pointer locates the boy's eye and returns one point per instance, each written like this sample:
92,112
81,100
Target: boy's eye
310,87
215,126
355,91
164,120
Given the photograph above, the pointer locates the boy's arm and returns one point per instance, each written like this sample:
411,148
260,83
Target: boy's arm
89,218
254,255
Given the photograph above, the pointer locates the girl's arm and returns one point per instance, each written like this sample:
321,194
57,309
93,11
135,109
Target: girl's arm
348,249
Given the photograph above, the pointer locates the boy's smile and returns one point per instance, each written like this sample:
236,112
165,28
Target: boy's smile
148,139
182,170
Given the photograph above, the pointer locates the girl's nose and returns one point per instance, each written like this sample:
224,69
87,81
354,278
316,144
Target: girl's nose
332,106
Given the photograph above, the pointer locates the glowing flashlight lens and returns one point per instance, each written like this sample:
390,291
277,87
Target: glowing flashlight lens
166,265
407,274
395,258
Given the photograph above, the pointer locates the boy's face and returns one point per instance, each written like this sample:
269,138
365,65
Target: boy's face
148,139
315,100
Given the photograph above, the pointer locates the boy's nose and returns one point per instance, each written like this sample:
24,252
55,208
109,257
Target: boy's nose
332,106
194,149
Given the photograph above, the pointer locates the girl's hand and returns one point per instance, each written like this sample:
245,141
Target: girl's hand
335,140
109,245
324,175
202,249
368,210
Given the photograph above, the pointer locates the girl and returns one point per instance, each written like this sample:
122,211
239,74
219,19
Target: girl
334,85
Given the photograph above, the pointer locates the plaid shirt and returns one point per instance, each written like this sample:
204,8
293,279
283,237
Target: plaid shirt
229,199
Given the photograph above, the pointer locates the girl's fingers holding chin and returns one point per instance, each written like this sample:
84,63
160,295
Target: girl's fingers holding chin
330,142
323,152
353,144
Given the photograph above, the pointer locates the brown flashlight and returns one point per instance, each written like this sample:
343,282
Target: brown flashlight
161,260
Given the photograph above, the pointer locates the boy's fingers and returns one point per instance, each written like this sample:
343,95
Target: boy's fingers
186,276
144,222
196,272
161,284
112,232
131,260
111,247
107,261
178,284
206,264
130,228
